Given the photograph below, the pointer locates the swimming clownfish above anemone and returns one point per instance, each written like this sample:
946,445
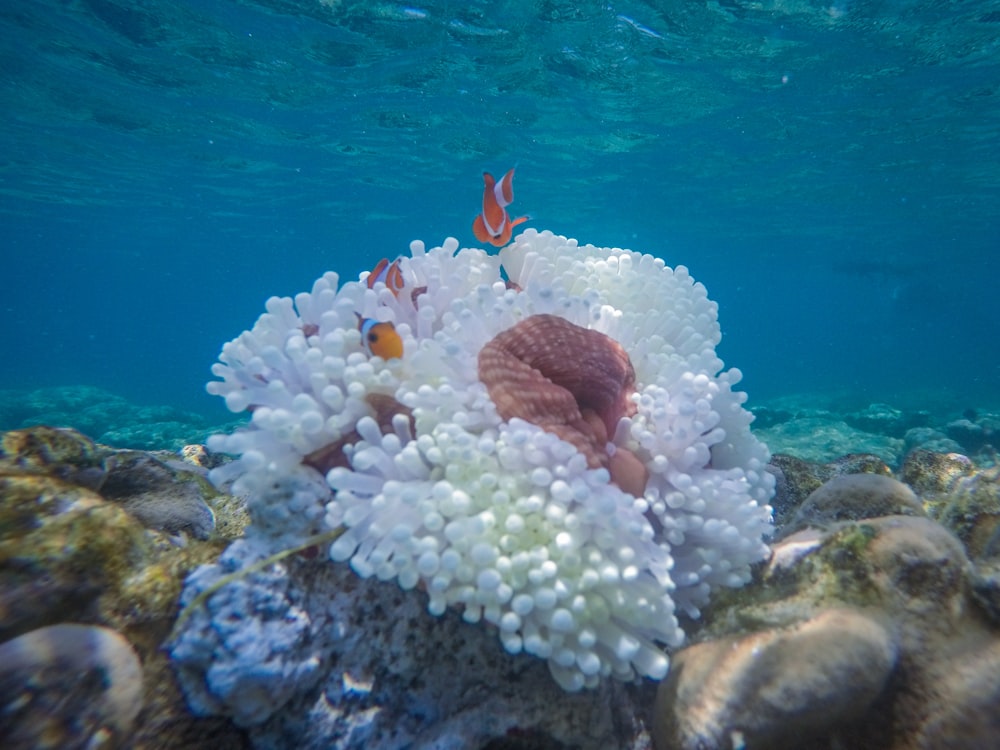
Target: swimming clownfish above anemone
494,225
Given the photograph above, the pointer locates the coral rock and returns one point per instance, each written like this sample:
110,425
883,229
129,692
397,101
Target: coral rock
910,575
797,478
359,664
930,440
774,688
69,686
159,496
961,713
919,567
855,496
973,435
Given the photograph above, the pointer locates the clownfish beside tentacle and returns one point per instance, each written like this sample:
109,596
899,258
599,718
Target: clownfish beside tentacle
389,273
380,339
494,224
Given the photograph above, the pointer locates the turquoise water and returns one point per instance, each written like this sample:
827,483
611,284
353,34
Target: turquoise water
831,172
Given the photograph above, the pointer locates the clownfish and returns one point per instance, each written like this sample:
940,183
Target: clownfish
380,339
494,225
389,274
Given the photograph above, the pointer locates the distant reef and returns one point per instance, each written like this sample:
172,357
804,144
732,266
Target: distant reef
811,427
814,427
109,418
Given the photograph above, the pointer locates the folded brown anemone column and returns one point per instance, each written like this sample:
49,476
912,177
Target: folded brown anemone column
571,381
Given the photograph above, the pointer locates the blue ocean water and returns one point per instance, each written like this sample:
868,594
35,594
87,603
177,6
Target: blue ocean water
831,172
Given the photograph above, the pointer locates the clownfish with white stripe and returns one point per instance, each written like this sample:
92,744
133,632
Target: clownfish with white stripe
380,338
389,274
494,224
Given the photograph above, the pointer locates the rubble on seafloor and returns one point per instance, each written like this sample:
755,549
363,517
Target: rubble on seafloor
875,623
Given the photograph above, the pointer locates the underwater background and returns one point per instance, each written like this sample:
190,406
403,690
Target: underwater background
831,173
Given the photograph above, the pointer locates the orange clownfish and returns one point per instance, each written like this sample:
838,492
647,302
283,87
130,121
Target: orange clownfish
389,274
494,225
380,339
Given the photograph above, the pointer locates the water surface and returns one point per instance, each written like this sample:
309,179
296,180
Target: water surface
830,172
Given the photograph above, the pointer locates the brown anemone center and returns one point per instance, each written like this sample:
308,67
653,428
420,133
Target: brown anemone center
571,381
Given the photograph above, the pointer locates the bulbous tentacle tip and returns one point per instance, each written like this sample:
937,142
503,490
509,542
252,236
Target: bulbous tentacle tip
628,472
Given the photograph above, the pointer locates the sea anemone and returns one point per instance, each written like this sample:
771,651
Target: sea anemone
558,451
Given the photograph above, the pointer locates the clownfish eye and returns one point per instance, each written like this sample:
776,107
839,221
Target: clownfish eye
372,337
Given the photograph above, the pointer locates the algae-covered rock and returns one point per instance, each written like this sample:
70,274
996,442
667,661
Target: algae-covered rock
970,507
920,570
747,682
163,497
67,551
112,552
855,496
986,588
798,478
930,473
64,551
58,452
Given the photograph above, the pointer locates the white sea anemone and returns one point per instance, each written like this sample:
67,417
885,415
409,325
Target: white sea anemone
481,468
